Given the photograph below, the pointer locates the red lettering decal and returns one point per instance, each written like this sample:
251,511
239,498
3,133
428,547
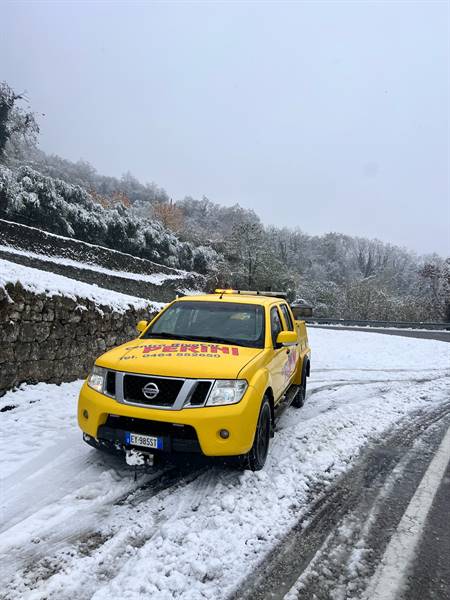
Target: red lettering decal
148,349
203,348
224,350
170,348
189,348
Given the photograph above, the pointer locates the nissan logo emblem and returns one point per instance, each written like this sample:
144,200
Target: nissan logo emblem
150,390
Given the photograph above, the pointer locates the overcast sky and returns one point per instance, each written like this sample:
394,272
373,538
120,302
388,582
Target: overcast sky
329,116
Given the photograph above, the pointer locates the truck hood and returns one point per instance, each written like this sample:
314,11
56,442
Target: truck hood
173,358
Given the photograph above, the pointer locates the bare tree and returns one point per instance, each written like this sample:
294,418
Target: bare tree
169,215
249,249
436,283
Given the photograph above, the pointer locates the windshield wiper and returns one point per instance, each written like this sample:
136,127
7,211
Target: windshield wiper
198,338
170,336
215,340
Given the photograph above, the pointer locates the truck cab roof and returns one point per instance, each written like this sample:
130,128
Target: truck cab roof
230,297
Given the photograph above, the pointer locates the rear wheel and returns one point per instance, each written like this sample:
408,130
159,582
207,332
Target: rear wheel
256,458
299,398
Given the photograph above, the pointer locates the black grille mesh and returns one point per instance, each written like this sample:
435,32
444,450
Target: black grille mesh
111,383
200,392
168,390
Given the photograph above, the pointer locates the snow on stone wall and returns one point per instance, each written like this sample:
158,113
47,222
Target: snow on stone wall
56,338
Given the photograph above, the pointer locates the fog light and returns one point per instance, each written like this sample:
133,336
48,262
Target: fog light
224,434
85,414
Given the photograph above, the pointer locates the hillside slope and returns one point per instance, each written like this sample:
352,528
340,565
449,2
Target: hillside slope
94,264
28,197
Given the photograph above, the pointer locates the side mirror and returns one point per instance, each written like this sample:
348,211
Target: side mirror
141,326
286,338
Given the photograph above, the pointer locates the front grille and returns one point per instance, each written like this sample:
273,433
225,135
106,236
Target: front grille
110,385
168,390
200,393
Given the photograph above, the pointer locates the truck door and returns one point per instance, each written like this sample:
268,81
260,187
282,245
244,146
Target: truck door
279,362
292,352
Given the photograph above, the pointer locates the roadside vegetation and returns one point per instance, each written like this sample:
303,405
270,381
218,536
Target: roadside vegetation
341,275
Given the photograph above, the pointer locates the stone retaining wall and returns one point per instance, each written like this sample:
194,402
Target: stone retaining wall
56,339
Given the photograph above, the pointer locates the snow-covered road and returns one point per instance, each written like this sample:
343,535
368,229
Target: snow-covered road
75,524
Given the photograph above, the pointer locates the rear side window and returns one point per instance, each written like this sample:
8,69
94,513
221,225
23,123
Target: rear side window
287,317
275,324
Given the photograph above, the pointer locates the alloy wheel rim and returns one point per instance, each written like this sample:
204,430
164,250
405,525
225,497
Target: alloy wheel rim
263,435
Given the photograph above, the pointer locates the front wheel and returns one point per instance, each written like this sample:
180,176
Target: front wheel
256,458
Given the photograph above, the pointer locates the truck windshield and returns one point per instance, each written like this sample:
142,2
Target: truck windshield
221,322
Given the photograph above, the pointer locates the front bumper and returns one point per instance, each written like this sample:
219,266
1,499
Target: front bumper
186,430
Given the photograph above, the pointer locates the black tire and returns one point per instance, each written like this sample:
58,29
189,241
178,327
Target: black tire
256,458
299,398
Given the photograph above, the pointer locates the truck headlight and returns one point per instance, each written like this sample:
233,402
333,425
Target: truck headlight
227,391
96,378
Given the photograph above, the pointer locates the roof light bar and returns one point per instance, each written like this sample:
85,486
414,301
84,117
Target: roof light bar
252,293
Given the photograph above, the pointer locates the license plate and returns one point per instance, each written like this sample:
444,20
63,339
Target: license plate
146,441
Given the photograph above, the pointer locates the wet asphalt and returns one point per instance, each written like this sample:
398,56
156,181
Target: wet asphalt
430,575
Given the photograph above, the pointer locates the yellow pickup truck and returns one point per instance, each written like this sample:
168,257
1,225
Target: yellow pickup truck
207,375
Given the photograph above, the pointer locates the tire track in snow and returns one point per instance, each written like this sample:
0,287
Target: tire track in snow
80,537
306,541
89,545
339,383
93,555
330,403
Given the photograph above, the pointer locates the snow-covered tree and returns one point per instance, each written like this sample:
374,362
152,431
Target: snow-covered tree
16,122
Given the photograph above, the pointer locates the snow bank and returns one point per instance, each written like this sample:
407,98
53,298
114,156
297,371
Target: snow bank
352,351
43,282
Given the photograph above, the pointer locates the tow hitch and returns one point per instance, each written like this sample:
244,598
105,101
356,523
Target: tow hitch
138,458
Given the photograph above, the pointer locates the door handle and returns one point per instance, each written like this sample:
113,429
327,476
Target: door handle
288,351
